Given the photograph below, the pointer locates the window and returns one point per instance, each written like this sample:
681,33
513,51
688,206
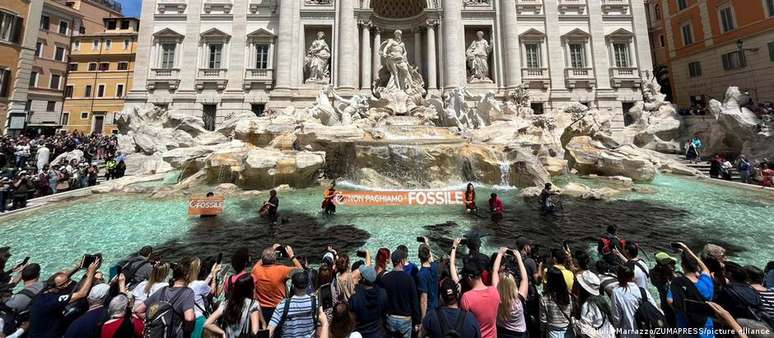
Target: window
687,35
11,27
65,119
34,79
769,7
258,109
84,115
537,108
126,44
124,24
577,56
111,25
59,55
123,65
68,93
262,56
92,67
168,55
5,82
51,106
44,23
658,12
63,27
39,49
73,67
533,55
104,66
95,44
694,69
87,92
661,40
120,90
771,51
28,105
77,45
681,5
732,60
55,79
727,19
101,91
108,44
216,52
621,52
82,30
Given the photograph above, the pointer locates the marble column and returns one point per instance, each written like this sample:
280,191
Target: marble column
365,57
348,48
432,76
377,62
287,15
237,49
511,42
418,48
187,58
600,57
454,44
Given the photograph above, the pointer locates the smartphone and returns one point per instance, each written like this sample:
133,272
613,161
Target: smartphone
420,239
26,259
220,258
263,334
361,253
675,245
119,270
326,296
699,308
88,259
281,252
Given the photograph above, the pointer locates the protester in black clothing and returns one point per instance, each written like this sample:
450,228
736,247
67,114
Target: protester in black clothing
402,299
369,305
546,203
269,208
441,321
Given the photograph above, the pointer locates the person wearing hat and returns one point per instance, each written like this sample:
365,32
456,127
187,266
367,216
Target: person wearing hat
403,315
661,277
368,304
299,315
594,308
90,321
447,316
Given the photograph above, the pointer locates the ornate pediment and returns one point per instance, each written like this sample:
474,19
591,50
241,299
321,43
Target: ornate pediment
620,34
261,34
214,33
576,34
532,35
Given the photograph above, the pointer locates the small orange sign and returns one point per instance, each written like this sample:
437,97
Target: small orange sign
399,198
205,206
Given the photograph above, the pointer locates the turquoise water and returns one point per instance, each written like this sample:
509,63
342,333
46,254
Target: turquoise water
678,209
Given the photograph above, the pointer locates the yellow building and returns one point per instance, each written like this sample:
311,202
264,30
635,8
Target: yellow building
100,73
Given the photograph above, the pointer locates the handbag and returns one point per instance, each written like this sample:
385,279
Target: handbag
583,329
246,331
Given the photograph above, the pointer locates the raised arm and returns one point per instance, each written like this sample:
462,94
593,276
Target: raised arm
524,282
86,287
496,266
704,268
453,261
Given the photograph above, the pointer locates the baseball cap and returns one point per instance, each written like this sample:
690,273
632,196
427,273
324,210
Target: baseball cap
328,258
368,272
98,292
300,280
664,258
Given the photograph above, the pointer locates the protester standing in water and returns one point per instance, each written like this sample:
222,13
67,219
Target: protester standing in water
269,208
328,203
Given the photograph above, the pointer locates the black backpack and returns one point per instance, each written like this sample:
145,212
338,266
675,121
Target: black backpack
162,320
130,271
458,329
12,319
649,318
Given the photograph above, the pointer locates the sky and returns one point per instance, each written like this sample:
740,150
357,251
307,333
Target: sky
131,7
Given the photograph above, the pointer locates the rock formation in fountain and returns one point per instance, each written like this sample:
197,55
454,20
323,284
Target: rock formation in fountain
655,122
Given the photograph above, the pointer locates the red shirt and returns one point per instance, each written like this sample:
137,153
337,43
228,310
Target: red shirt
110,327
483,304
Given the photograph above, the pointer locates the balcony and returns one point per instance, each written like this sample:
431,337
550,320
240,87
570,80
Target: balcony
260,7
258,76
572,7
615,8
171,7
217,7
529,7
579,77
215,76
537,78
168,76
625,77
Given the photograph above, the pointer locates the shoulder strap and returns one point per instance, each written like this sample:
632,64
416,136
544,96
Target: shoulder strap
248,323
27,293
638,263
314,311
644,295
284,314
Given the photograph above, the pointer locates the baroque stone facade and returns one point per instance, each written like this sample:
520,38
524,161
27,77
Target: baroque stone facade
220,58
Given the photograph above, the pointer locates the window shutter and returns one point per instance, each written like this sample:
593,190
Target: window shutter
5,84
771,51
17,30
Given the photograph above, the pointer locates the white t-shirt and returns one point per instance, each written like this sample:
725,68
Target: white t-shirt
640,274
625,302
591,314
139,291
201,289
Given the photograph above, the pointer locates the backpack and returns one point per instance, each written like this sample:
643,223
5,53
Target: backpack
683,288
649,318
448,332
161,317
130,271
608,244
285,317
13,319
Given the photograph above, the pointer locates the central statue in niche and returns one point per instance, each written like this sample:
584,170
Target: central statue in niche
399,86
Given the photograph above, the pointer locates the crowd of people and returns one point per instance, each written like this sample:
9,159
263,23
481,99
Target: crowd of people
28,166
517,291
759,172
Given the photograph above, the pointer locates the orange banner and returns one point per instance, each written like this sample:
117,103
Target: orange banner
205,206
399,198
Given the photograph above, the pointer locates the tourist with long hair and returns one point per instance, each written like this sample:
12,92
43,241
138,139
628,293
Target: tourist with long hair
594,308
202,289
239,313
180,297
511,322
470,198
342,323
346,279
556,306
157,281
240,264
626,299
382,259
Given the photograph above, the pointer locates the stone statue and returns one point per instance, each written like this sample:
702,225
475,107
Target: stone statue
457,114
478,59
334,110
393,53
317,60
399,86
489,109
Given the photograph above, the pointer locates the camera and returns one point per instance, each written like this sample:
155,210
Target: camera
281,252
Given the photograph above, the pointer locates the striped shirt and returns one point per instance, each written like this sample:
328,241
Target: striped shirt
300,320
767,300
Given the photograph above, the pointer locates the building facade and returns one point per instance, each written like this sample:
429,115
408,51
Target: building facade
709,45
13,14
100,75
212,58
35,101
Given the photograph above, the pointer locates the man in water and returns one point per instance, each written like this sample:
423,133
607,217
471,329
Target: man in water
209,194
269,208
546,204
